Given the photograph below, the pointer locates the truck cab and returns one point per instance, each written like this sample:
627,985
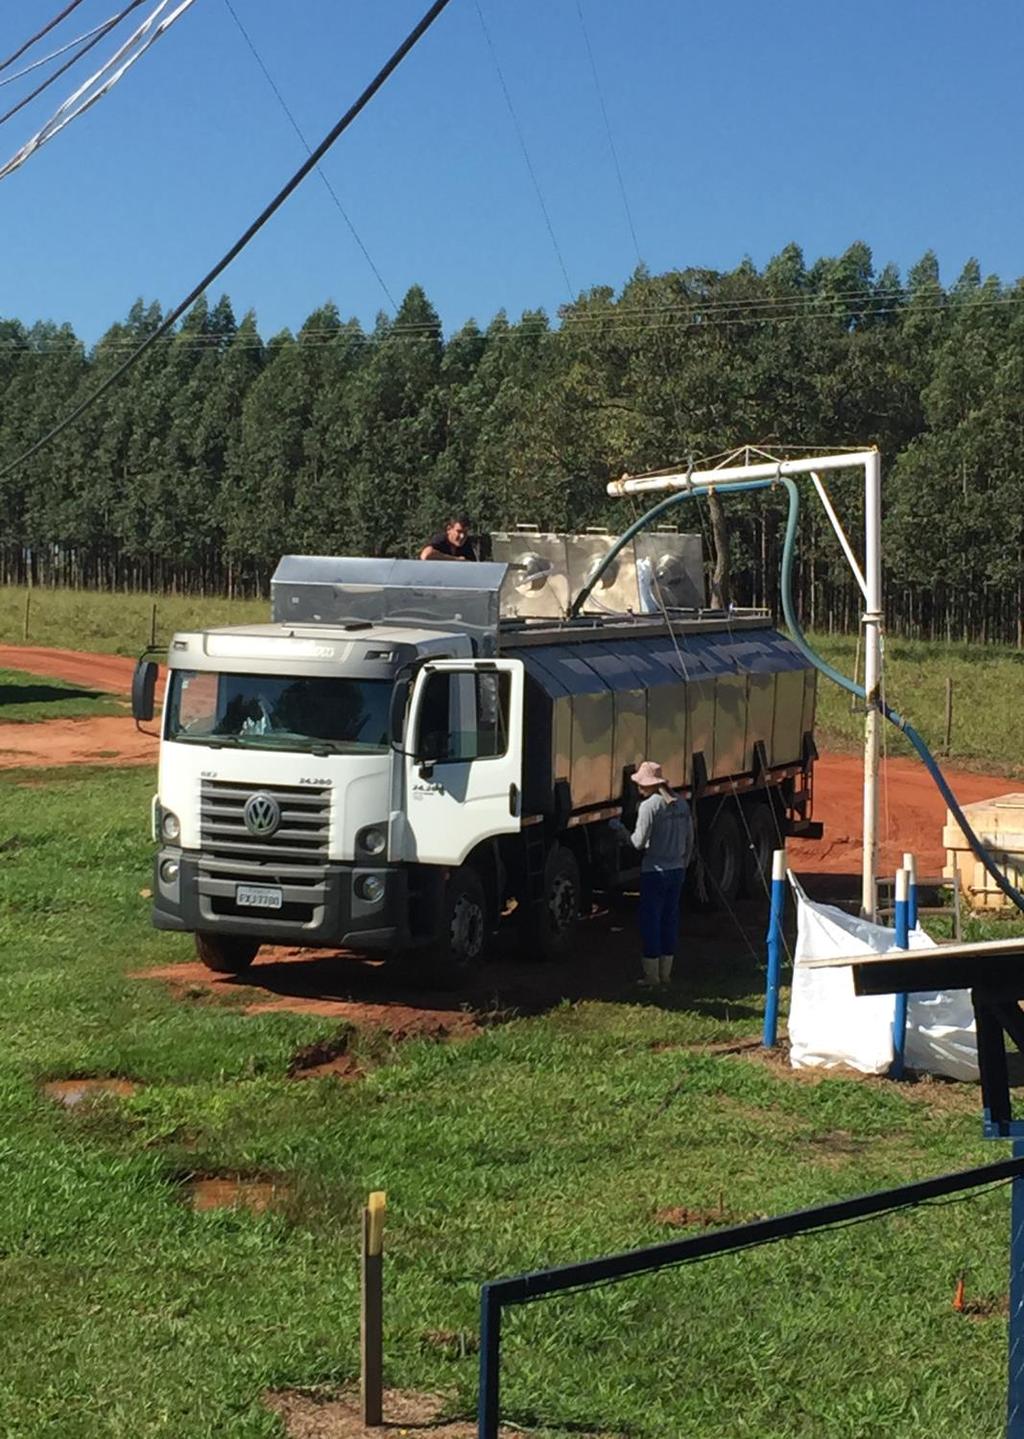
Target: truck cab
310,774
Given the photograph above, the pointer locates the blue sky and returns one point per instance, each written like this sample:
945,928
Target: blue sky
739,126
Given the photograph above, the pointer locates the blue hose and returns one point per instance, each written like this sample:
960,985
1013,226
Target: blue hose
800,640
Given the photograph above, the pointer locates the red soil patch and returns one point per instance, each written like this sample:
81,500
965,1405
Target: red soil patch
678,1216
226,1191
107,740
308,1416
327,983
110,673
72,1092
326,1057
911,813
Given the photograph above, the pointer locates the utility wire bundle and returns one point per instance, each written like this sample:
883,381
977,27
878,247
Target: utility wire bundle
101,82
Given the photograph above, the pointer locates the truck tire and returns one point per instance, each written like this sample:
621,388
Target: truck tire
226,953
551,926
723,853
462,937
761,844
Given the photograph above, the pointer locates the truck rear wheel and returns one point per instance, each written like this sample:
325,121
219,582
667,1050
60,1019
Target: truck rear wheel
762,842
552,922
462,936
226,953
722,852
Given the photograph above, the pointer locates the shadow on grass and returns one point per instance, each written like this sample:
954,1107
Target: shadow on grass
43,694
719,973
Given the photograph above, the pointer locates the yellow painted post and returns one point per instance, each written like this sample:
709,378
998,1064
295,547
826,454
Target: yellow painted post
371,1348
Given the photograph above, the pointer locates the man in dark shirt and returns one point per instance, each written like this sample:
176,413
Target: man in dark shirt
451,544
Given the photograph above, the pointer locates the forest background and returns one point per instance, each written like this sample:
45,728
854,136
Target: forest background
220,451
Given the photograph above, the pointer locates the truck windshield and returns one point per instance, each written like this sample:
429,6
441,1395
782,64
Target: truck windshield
302,712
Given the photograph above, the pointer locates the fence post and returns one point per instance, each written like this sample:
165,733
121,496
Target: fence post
778,909
899,1017
28,606
152,626
947,745
910,865
490,1364
371,1336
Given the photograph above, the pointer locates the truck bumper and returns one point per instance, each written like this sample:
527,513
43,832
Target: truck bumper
333,913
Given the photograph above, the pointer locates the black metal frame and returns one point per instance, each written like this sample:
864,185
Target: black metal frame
500,1294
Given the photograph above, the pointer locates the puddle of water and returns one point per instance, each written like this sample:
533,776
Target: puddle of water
222,1191
72,1092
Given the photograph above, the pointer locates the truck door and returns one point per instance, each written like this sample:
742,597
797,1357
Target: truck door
463,757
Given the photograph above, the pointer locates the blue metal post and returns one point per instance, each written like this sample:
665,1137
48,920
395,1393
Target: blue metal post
910,865
488,1404
899,1018
1015,1374
778,909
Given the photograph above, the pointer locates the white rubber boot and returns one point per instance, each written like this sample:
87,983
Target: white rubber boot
665,968
651,973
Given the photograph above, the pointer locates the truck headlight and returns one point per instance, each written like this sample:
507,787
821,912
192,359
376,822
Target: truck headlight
370,888
170,825
372,839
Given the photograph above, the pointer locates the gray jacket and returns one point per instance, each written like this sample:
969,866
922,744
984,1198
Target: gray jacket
664,833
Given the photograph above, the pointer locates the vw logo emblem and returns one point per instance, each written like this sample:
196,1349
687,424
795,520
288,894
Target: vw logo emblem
262,814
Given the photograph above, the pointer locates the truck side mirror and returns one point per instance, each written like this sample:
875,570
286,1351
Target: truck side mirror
396,711
144,690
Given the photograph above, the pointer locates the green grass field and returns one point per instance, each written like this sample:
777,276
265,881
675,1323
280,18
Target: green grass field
112,623
542,1139
27,698
988,717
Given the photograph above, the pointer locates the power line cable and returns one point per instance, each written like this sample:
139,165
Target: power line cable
522,145
319,169
53,55
92,90
392,64
104,29
608,131
427,334
50,25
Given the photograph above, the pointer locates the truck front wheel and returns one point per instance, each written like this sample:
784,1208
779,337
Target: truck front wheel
462,937
226,953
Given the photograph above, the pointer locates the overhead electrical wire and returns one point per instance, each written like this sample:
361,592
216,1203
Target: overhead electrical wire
104,29
427,334
50,25
358,105
54,54
608,131
319,169
92,90
523,146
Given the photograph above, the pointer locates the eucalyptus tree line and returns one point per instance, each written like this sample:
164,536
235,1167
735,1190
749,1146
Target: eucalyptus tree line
222,449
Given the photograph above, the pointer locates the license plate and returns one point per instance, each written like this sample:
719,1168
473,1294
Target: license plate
258,896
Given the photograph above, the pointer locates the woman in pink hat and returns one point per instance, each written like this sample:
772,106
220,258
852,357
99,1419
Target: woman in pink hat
664,837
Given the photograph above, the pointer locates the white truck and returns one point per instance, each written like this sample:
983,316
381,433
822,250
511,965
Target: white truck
412,750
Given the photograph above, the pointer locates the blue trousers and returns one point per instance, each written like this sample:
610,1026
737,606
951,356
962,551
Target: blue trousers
660,892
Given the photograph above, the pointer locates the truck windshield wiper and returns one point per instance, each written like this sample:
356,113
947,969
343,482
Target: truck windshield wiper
212,741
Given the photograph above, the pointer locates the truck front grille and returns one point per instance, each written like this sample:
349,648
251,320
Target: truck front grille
294,858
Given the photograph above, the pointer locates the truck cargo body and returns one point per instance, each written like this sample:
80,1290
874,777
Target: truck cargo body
395,782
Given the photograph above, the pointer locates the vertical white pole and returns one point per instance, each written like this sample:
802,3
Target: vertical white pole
872,676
